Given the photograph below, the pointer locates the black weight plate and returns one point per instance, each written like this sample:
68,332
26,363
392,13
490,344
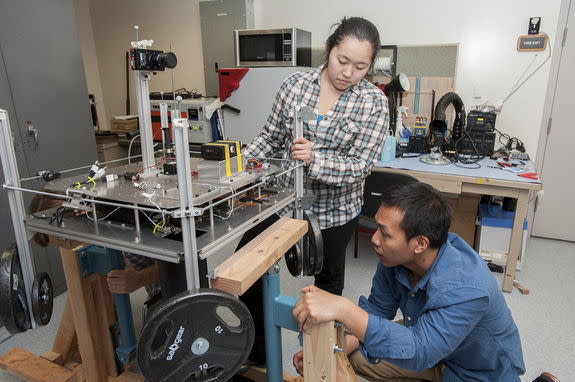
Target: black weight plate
306,257
42,299
294,260
313,246
13,308
201,335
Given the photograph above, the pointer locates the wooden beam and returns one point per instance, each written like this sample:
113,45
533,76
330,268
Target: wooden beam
516,237
77,369
63,243
345,372
105,317
33,368
258,374
53,357
322,362
66,342
91,341
318,353
239,272
127,376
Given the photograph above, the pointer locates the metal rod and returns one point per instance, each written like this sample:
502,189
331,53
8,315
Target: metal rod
233,195
142,79
290,169
432,105
88,166
95,218
137,222
275,159
60,196
180,130
243,191
211,214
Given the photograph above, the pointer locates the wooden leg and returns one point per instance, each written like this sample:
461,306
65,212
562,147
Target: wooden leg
106,316
66,342
515,244
82,350
258,374
34,368
94,344
321,360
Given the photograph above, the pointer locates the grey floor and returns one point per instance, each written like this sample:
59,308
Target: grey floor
545,317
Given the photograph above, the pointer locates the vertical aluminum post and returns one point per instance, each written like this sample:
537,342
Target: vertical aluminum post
17,210
298,171
165,127
181,141
141,80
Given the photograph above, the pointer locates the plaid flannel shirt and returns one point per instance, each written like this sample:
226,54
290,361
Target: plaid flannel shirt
346,142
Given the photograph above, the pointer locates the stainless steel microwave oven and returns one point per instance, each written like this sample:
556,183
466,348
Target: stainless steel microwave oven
272,47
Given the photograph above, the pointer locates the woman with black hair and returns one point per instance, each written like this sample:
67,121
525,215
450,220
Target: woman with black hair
340,145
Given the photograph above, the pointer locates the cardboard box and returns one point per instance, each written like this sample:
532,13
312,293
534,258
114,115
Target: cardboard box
124,123
109,149
464,215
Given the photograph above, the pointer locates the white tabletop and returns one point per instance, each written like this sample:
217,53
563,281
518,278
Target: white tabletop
462,169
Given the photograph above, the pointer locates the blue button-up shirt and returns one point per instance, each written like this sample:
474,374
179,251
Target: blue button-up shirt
455,315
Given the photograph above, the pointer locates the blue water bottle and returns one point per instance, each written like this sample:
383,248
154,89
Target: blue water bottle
389,147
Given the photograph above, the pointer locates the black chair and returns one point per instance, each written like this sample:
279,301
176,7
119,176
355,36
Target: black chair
375,185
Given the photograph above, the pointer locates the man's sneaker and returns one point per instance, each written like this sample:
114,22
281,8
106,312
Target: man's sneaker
546,377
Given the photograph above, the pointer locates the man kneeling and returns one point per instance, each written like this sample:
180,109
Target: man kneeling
456,324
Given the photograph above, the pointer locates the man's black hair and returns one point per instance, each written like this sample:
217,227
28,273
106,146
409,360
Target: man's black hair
357,27
425,211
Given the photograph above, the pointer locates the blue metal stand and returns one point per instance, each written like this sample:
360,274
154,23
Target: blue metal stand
96,259
277,315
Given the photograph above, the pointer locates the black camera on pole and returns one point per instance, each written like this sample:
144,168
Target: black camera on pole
152,60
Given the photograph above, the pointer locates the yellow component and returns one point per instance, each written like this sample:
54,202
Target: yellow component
226,156
238,151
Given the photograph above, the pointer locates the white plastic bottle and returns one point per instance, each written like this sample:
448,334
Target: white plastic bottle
389,148
401,132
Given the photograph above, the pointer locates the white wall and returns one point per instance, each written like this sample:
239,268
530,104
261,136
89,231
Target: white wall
487,31
175,22
90,58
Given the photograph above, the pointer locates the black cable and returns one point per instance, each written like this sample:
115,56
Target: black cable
41,216
473,166
472,159
183,92
510,141
58,216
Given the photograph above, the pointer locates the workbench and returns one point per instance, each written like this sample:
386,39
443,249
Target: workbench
483,180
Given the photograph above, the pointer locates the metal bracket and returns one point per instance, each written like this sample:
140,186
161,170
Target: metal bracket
78,199
178,214
306,201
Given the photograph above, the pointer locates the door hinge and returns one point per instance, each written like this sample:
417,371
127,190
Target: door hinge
564,37
549,125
